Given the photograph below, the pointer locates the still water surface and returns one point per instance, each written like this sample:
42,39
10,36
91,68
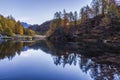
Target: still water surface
43,60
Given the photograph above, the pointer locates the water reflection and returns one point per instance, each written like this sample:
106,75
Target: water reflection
101,61
9,49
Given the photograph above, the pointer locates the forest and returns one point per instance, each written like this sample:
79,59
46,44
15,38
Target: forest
80,44
100,22
10,27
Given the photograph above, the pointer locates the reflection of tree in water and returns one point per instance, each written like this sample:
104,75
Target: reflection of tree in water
10,49
68,59
99,64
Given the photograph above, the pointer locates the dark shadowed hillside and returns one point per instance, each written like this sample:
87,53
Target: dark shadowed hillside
41,29
95,24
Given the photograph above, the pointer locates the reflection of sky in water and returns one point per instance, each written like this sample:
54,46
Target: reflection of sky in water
36,64
45,61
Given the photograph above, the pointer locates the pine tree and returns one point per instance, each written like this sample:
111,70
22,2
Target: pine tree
1,29
113,11
19,28
96,7
71,18
75,18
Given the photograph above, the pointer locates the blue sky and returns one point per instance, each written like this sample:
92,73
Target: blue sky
38,11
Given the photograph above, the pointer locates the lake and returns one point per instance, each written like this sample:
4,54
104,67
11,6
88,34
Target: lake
43,60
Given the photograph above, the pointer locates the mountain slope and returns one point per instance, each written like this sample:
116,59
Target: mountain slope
25,25
41,29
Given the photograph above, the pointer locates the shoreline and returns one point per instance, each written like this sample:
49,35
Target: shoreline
24,37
